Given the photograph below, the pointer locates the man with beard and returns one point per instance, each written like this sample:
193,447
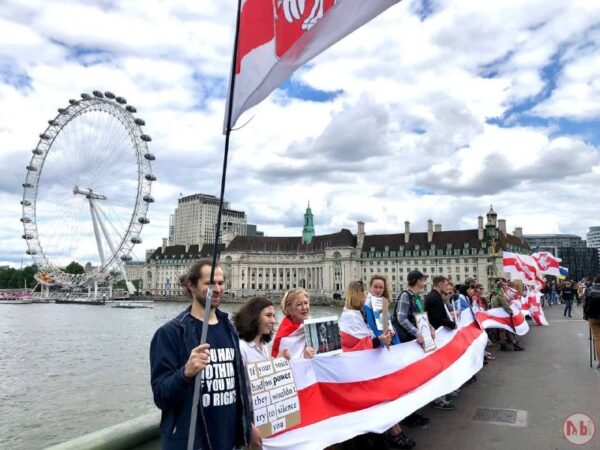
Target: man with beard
176,357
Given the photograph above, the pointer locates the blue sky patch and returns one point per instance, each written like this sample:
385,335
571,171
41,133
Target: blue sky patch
302,91
10,74
424,9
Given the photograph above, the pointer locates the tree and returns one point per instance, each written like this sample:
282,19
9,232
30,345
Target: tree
74,268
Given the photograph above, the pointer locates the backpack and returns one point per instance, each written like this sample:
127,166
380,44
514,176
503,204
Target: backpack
403,335
592,302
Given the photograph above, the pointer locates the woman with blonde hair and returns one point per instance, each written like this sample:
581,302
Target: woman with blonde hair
356,335
290,340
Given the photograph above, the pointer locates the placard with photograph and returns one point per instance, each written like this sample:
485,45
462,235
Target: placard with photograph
424,327
323,334
274,396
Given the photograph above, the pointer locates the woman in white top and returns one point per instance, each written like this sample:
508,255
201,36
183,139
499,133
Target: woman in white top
255,322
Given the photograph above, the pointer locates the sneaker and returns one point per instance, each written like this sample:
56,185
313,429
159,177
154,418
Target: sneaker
471,380
415,420
402,441
518,348
447,405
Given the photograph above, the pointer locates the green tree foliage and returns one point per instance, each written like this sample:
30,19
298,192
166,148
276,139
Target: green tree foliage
18,278
74,268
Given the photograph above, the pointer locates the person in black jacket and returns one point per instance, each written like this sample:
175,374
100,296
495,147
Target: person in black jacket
435,306
438,317
568,294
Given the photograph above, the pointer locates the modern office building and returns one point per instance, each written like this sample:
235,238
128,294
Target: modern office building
581,260
593,238
193,222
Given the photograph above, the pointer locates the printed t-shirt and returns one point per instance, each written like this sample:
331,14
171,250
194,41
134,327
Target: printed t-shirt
219,390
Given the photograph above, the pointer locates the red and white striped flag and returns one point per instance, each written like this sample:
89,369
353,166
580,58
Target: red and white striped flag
535,310
548,264
352,393
278,36
289,336
355,334
522,267
498,318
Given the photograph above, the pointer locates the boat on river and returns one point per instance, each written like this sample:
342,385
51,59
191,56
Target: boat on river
133,304
80,301
15,301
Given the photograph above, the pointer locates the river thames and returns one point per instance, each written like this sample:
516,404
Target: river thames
68,370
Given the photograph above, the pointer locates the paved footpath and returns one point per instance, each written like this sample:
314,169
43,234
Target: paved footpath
550,380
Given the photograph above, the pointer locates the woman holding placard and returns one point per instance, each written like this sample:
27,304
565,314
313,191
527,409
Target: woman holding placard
356,335
255,322
290,340
377,305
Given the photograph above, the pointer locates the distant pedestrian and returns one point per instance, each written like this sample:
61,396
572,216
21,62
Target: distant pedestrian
554,295
568,295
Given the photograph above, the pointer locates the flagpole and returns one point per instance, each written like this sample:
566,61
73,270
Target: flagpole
590,347
209,292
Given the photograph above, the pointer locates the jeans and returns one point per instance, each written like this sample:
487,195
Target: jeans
595,327
568,306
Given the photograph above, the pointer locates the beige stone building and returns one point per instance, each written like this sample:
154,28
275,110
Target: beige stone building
325,264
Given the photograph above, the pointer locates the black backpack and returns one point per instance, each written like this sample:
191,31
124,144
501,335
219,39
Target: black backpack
592,302
403,335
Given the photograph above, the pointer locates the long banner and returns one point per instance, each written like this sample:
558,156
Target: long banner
348,394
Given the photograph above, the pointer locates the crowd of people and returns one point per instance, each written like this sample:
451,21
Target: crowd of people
225,419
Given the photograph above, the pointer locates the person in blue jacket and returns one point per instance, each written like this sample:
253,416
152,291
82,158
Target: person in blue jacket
224,415
373,307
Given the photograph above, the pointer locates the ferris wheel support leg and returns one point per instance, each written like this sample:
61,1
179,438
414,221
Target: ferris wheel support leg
104,230
96,231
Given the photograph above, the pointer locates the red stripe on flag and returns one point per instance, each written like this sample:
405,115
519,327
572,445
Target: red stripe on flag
257,27
517,319
324,400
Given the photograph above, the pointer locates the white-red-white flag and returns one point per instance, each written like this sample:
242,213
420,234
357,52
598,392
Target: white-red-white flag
278,36
548,263
522,267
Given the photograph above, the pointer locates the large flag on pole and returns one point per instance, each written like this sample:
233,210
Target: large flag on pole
548,263
278,36
522,267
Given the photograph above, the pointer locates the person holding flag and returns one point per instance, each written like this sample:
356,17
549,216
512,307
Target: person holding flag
176,356
499,299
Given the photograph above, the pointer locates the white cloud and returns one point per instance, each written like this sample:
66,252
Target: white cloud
408,137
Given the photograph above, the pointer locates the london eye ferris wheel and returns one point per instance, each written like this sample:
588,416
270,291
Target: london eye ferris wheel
87,190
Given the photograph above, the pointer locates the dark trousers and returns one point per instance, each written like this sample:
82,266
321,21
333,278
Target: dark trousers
568,306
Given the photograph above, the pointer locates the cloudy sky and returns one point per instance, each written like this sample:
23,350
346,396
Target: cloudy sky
435,109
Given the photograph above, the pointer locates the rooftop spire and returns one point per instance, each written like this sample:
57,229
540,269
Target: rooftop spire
308,231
